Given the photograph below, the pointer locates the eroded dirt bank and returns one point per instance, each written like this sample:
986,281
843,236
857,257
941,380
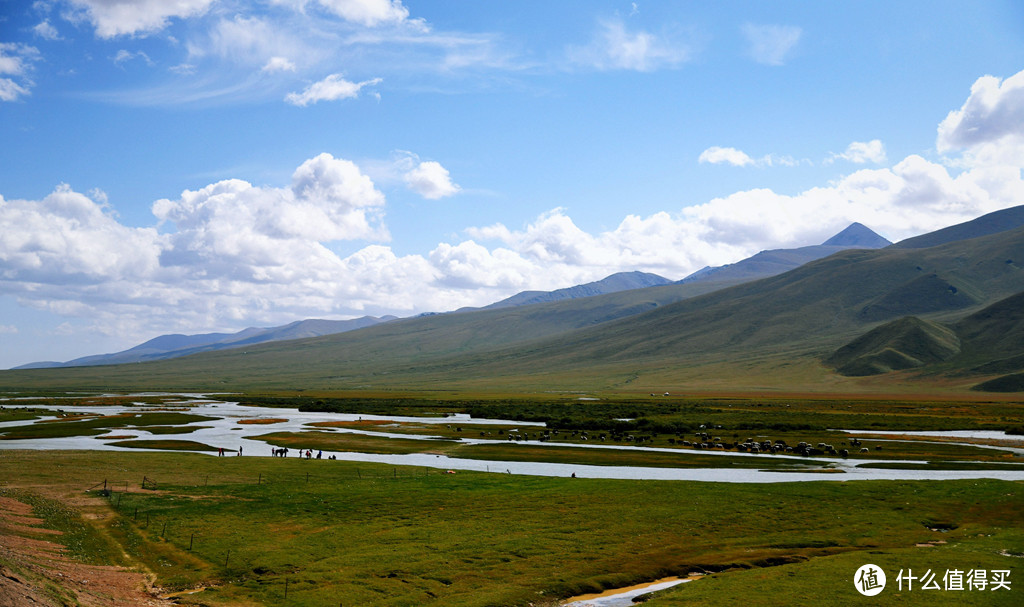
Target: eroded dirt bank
34,571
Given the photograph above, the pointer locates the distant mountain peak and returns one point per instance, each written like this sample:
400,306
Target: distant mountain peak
620,281
857,235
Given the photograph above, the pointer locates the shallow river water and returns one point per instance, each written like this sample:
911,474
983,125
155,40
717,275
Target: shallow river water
226,432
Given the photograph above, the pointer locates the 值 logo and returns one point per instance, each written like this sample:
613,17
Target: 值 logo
869,580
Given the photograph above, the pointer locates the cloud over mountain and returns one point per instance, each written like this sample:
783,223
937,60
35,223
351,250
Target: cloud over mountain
319,245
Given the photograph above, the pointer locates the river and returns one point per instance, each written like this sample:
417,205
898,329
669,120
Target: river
226,432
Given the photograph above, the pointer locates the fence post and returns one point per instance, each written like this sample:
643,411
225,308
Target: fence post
259,481
190,538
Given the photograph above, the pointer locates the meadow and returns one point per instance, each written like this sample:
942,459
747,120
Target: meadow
296,532
253,530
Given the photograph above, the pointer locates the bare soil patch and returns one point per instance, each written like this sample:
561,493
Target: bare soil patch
35,572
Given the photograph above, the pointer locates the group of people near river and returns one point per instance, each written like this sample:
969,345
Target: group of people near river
308,453
281,452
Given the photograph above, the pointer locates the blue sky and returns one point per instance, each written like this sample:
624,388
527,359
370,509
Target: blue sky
208,165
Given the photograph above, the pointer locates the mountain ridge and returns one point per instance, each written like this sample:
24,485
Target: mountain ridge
776,261
175,345
764,335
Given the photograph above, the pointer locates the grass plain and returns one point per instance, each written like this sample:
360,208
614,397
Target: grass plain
272,531
249,530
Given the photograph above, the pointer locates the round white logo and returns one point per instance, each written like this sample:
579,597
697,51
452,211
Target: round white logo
869,580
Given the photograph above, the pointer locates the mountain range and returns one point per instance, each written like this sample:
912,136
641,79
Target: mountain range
175,345
777,261
937,312
766,263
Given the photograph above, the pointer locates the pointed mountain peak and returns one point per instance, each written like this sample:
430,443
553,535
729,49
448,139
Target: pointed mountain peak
857,235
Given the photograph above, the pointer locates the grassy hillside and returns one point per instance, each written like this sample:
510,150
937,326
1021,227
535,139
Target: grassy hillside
987,342
906,343
1006,219
771,333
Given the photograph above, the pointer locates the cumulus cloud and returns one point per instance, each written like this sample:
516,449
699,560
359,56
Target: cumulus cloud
861,152
228,252
233,254
69,238
329,199
989,126
771,44
331,88
112,18
430,180
615,47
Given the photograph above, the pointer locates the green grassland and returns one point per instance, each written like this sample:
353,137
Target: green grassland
249,530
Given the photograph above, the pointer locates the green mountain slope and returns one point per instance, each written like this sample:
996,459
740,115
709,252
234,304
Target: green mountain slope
993,339
906,343
987,342
767,333
991,223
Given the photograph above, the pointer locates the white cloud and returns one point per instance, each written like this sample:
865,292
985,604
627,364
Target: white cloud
720,155
233,47
15,63
861,152
113,18
11,90
771,44
614,47
739,158
124,56
430,180
989,127
233,254
67,238
367,12
258,41
183,69
9,329
278,64
329,199
46,31
331,88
